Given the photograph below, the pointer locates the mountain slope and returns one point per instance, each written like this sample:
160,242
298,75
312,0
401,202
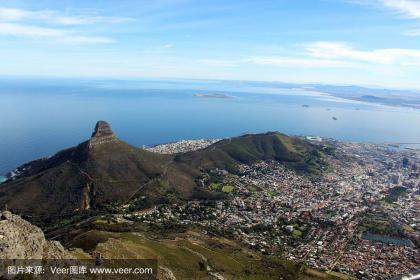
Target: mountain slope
106,171
294,152
99,171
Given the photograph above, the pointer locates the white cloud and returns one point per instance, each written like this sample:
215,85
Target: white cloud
410,8
13,29
345,52
12,14
62,35
20,23
280,61
329,55
9,14
86,39
300,62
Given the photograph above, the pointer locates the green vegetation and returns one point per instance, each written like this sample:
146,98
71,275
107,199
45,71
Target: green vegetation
331,275
408,229
254,188
296,233
394,193
216,186
219,187
89,240
295,153
272,193
288,142
228,188
380,224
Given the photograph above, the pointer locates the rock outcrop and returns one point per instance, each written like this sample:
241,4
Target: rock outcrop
102,134
20,239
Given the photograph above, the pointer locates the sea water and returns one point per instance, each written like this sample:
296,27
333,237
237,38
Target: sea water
2,179
38,117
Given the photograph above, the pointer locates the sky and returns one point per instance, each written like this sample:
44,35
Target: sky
370,42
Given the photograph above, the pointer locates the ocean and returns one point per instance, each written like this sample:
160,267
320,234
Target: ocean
38,117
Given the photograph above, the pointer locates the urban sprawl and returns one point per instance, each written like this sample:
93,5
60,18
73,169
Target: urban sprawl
359,218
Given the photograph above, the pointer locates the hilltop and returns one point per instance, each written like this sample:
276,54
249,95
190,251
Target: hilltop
295,153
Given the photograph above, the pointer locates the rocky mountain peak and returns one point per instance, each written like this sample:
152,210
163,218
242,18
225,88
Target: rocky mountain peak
102,134
102,129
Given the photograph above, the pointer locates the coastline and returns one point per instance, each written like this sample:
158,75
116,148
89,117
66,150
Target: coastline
3,179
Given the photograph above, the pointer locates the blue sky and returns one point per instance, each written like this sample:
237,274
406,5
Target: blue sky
370,42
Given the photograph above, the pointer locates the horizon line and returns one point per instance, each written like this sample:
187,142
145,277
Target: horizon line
133,78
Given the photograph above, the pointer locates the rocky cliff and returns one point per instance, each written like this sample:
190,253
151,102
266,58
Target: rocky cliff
20,239
102,134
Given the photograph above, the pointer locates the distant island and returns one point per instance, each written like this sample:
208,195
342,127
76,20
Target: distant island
212,95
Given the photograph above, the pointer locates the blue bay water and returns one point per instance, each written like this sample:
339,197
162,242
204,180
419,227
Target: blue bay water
40,117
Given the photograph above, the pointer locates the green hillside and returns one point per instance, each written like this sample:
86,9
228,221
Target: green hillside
104,172
293,152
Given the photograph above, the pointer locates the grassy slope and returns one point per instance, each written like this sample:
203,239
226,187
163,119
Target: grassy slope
183,255
294,152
